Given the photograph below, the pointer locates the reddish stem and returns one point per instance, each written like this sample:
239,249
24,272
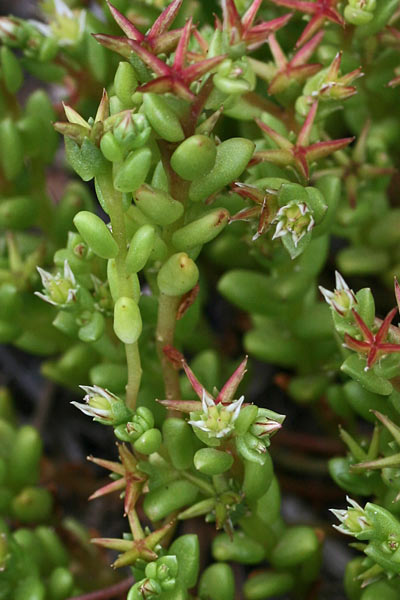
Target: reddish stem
112,591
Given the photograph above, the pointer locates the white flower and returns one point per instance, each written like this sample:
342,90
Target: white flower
294,218
217,419
353,520
98,403
342,299
59,290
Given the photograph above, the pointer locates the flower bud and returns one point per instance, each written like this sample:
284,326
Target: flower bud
235,78
103,406
178,275
140,248
212,462
96,234
295,219
133,171
233,156
131,131
194,157
162,118
216,420
110,148
127,320
357,16
201,230
125,83
158,206
353,521
146,589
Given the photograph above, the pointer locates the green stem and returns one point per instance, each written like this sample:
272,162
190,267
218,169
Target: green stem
116,214
167,309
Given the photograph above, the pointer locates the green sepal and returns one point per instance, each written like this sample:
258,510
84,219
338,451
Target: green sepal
293,249
354,366
316,203
93,329
246,417
366,306
86,160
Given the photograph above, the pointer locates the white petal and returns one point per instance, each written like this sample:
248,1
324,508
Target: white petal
342,529
90,411
62,9
340,282
201,425
43,28
327,294
45,298
68,274
45,276
353,503
223,432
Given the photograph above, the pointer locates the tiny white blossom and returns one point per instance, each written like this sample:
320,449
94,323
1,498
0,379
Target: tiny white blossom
294,218
59,290
342,299
217,419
